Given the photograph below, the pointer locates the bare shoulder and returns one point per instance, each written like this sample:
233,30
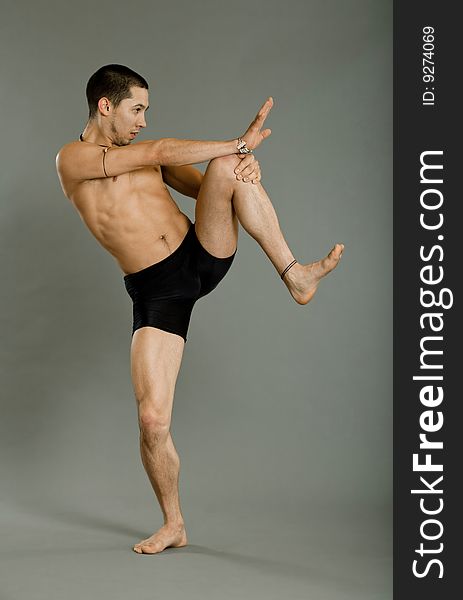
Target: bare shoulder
67,151
65,156
69,154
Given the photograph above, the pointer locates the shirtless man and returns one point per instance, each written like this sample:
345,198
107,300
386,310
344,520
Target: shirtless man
119,191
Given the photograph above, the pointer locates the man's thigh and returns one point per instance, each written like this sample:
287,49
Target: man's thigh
216,223
155,359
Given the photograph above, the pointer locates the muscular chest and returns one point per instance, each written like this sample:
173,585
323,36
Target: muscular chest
144,178
105,198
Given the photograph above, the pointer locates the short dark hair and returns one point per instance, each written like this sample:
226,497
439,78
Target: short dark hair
113,82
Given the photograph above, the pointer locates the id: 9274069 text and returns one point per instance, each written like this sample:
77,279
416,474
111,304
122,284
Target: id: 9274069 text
429,94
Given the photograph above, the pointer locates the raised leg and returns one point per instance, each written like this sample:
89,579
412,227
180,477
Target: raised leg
155,362
223,201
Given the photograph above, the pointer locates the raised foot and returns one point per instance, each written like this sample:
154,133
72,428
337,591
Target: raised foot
302,280
167,536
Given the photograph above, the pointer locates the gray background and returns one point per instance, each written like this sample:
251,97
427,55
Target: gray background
282,415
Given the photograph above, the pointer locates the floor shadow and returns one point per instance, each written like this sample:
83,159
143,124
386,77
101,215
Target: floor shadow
70,516
317,572
268,565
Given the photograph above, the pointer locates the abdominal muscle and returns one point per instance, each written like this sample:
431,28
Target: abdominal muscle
133,217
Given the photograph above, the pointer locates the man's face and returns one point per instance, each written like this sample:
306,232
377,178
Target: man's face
129,117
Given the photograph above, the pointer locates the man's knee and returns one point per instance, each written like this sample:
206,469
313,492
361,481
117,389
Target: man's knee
154,424
225,165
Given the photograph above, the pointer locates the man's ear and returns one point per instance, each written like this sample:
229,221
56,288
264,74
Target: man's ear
104,105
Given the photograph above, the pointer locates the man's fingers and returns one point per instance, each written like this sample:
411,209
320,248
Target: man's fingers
266,107
265,133
247,159
251,177
248,169
254,176
250,173
263,112
247,174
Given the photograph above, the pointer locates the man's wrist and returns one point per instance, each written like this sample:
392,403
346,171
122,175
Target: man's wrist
242,147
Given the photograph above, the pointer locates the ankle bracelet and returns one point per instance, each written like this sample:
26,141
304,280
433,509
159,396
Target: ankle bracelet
288,267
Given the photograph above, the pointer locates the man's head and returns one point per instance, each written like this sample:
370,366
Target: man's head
117,99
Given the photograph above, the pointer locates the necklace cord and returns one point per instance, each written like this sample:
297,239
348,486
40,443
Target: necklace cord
106,148
104,156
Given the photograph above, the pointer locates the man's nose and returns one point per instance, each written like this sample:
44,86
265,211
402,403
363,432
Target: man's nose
141,122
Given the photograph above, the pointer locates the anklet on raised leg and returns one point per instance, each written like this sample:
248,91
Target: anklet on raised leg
288,267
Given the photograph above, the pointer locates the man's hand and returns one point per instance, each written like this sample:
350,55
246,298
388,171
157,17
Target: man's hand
253,135
248,169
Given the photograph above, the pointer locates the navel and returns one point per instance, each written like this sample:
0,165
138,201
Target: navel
163,237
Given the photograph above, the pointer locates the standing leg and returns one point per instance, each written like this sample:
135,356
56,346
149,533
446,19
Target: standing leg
222,199
155,362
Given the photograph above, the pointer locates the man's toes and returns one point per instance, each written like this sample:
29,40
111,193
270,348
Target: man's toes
328,263
139,547
151,548
336,252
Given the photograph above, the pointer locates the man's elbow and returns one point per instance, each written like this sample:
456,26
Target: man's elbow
157,154
197,185
163,153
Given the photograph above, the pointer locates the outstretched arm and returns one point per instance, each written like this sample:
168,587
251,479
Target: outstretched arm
173,152
78,162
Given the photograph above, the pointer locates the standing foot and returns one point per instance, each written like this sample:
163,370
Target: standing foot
302,280
168,536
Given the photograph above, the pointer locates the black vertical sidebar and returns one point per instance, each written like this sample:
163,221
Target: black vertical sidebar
427,119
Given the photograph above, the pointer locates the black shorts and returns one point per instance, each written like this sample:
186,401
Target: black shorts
164,293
